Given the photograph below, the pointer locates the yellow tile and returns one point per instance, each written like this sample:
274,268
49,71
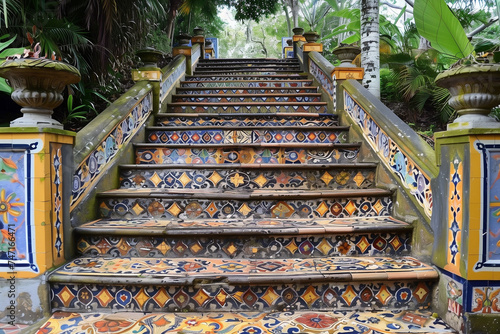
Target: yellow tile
43,237
42,189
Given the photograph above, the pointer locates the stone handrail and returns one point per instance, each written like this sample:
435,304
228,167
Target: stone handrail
403,152
97,145
171,74
322,70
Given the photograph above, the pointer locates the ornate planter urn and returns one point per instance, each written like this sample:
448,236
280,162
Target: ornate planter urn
298,31
475,90
198,31
184,38
311,36
346,54
38,85
149,56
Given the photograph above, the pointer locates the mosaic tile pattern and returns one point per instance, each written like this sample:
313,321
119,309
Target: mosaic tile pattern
253,70
6,328
243,90
94,166
57,213
217,98
325,79
239,178
320,322
248,84
414,179
247,107
248,120
455,214
248,247
243,77
334,295
232,155
246,136
226,206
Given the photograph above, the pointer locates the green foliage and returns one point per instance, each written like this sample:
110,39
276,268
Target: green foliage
314,11
253,9
4,53
436,23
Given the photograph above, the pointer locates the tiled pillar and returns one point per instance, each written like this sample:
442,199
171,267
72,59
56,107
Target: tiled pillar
342,74
150,72
35,185
466,222
308,47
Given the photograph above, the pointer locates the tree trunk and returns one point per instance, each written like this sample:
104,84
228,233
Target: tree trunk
294,6
171,16
288,23
370,45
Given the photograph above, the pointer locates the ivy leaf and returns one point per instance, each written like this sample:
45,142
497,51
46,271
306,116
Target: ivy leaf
436,23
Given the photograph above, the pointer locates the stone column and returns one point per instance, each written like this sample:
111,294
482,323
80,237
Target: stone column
150,72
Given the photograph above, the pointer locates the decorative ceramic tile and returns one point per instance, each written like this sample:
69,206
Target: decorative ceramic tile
326,80
273,247
412,177
94,166
320,322
169,80
244,77
225,207
243,136
249,84
455,214
17,245
247,120
247,108
248,178
251,90
6,328
208,295
57,209
255,155
217,98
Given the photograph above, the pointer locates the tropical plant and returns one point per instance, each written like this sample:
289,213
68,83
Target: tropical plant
314,11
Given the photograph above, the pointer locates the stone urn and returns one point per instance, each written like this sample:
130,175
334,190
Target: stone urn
346,54
298,31
184,38
149,56
38,85
311,36
475,90
199,31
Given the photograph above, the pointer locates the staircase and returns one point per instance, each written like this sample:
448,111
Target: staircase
247,211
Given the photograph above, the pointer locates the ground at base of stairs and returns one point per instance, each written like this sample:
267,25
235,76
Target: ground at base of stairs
245,323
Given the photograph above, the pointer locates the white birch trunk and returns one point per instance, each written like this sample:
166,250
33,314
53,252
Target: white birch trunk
370,45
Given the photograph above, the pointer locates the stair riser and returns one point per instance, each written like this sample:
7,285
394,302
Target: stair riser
251,84
248,247
257,155
256,178
191,208
245,77
252,109
221,136
263,99
248,120
251,90
253,70
371,295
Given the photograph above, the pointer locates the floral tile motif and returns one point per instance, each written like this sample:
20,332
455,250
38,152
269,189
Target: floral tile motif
170,79
248,247
216,98
414,179
253,322
244,77
247,108
327,80
224,208
248,178
254,155
248,90
260,120
343,296
233,136
249,84
93,167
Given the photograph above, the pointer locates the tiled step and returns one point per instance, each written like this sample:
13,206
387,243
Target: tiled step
238,65
355,322
199,203
250,239
254,69
248,60
245,135
248,83
311,97
284,153
261,120
190,284
248,90
215,77
247,107
243,176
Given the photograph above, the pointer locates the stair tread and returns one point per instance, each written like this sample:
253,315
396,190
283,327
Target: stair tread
254,166
173,104
247,322
247,128
270,145
243,194
185,270
243,95
241,226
